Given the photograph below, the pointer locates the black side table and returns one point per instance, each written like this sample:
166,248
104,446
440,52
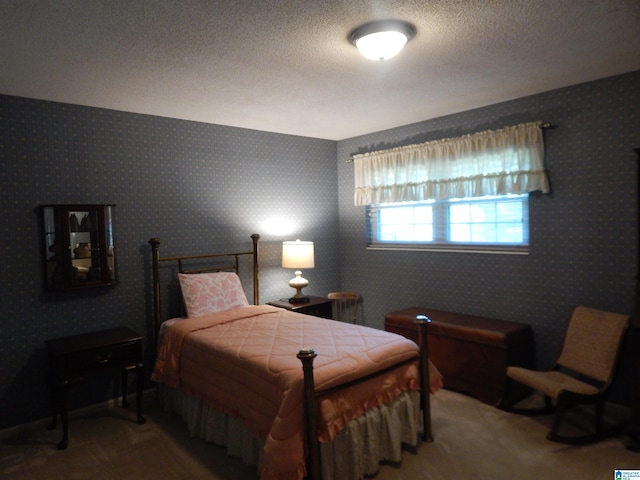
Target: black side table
72,358
316,306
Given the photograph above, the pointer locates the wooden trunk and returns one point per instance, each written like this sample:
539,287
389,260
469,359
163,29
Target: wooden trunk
471,352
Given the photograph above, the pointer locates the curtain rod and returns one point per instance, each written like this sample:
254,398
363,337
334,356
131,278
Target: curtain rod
543,126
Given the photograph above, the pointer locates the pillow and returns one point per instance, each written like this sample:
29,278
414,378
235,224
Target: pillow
211,292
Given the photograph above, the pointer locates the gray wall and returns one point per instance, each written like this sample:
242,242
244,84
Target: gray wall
583,235
198,187
208,187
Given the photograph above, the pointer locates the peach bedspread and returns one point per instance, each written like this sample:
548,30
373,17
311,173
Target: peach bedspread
243,362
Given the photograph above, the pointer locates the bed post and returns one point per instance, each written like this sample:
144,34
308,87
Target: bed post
155,262
422,322
306,356
256,298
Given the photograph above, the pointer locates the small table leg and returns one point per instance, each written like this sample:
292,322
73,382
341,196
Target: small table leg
64,417
139,385
53,399
139,371
58,399
125,375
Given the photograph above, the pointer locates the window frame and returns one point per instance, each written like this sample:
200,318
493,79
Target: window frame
441,229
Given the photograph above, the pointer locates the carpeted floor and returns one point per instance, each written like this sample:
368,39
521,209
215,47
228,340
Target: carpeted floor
472,441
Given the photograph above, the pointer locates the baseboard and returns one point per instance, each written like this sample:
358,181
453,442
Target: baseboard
12,432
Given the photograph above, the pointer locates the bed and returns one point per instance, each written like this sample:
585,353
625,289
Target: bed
296,396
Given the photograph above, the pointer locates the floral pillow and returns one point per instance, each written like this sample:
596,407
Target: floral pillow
211,292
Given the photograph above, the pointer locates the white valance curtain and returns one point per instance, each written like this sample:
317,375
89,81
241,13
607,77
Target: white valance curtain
497,162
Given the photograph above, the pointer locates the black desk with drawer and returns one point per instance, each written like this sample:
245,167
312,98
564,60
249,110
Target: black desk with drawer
72,358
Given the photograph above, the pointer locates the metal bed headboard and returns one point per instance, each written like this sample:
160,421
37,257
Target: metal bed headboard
234,265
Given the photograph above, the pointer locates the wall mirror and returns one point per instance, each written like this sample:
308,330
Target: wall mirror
79,249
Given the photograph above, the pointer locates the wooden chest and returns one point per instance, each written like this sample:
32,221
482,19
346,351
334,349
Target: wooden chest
471,352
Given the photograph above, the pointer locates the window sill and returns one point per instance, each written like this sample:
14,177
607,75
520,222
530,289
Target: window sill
490,249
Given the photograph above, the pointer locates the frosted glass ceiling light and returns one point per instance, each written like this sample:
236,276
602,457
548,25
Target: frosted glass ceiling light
382,39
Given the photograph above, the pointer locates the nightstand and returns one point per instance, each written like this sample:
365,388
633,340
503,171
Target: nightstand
72,358
317,306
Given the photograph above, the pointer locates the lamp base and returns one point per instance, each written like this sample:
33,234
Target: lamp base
299,283
299,300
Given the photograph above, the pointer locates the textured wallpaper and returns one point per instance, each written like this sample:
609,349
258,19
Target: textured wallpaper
198,187
583,235
208,187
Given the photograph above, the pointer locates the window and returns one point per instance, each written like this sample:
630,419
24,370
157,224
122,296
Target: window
454,194
489,223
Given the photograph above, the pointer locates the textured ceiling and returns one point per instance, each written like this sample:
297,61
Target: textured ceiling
286,66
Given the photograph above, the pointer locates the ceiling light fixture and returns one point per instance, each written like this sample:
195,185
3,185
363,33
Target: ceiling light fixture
382,39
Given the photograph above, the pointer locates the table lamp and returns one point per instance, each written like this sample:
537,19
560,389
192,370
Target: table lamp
298,255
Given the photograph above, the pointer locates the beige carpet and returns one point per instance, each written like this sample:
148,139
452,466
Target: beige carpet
472,441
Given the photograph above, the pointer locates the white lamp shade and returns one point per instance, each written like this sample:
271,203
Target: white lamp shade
297,255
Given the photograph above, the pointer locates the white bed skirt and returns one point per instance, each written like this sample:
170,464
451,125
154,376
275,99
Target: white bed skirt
374,437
